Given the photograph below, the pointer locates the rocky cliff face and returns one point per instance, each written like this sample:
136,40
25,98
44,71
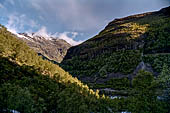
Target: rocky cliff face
51,48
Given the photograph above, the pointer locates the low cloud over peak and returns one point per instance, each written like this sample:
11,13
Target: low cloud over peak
70,40
83,16
67,36
43,32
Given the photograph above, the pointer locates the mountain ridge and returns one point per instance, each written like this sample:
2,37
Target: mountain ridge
52,48
121,46
30,84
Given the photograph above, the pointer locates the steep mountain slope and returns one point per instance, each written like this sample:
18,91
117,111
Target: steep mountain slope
51,48
124,47
30,84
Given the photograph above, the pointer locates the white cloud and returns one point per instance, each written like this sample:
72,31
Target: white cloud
35,5
40,17
87,16
73,13
12,22
70,40
74,34
43,33
18,22
11,2
33,23
65,36
1,6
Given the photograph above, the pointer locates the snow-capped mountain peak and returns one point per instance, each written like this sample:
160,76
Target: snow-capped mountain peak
50,47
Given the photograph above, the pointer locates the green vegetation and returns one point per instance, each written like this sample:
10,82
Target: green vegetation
144,98
121,46
157,60
163,82
30,84
119,84
119,49
100,66
115,83
158,37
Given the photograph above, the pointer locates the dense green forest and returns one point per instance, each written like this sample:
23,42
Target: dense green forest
29,84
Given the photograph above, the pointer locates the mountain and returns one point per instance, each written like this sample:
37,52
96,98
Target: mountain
129,60
124,47
50,48
31,84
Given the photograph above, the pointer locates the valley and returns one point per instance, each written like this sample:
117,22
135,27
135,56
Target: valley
126,67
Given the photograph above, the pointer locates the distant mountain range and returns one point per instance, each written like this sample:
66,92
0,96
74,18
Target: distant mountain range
49,47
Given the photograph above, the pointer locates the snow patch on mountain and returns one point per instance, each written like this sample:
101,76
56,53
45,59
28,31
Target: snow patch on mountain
13,31
43,33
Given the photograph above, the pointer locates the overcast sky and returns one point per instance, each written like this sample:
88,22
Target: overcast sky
76,19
